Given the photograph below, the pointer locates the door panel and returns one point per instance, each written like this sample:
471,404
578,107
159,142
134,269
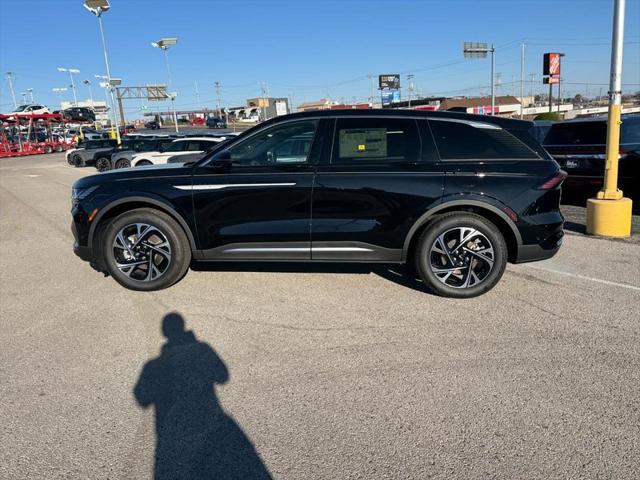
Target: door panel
260,206
363,207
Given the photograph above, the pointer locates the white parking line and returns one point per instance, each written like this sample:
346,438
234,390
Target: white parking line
582,277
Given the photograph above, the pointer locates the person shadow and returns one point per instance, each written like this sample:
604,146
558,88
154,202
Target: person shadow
195,438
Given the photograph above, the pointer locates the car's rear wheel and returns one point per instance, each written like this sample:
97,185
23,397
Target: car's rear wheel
48,149
59,148
122,163
76,160
103,164
145,249
461,255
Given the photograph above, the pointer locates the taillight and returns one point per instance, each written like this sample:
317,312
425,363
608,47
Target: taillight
554,181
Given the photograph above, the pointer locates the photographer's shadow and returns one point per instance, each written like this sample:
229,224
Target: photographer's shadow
195,438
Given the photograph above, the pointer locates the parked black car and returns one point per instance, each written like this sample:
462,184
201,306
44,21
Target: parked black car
79,114
580,147
152,125
216,122
122,158
456,195
90,150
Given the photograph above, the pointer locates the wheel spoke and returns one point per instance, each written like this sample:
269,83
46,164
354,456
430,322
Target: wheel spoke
137,257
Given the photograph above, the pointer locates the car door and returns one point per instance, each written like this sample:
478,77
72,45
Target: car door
258,206
382,175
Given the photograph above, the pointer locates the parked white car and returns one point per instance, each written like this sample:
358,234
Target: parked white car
179,147
32,108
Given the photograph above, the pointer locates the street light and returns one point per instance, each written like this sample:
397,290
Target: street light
59,92
71,71
30,91
98,7
164,44
480,50
88,84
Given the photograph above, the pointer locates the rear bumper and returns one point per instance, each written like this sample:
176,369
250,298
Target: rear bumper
547,249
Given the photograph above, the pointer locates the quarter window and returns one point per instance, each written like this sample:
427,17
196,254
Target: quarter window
462,141
365,140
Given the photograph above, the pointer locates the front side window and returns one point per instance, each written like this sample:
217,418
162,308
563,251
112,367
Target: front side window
176,147
363,140
463,141
289,143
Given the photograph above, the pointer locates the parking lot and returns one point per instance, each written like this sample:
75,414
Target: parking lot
318,372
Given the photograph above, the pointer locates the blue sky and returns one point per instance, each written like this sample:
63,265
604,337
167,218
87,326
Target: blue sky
310,49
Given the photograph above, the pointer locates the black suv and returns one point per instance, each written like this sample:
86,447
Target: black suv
456,195
580,148
90,150
216,122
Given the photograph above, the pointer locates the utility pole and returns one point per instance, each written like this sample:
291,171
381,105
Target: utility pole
610,213
533,79
371,78
13,93
522,81
410,83
197,94
217,85
30,91
493,93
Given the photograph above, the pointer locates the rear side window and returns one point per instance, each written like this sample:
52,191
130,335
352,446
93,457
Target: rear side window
577,133
364,140
630,130
462,141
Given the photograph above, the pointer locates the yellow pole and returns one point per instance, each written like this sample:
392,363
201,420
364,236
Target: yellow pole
609,214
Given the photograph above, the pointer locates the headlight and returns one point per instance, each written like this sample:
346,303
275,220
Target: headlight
82,193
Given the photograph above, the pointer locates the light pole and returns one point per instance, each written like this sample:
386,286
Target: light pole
164,44
410,82
24,97
13,93
71,71
30,92
610,213
480,50
98,7
108,109
88,84
59,91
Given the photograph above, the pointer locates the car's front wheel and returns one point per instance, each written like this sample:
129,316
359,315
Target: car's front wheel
103,164
122,163
461,255
145,249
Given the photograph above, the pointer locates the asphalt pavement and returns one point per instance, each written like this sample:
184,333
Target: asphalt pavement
300,372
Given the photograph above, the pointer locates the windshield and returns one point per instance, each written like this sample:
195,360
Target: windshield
21,108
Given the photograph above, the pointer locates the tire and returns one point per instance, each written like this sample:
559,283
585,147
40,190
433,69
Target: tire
122,163
76,160
59,148
142,163
48,149
461,270
103,164
169,238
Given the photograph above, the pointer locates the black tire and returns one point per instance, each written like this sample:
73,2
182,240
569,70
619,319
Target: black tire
122,163
103,164
76,160
134,278
59,148
142,163
48,149
466,269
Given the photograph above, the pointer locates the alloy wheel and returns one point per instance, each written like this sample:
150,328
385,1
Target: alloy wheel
142,252
461,257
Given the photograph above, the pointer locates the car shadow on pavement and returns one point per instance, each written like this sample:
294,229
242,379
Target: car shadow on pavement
195,438
395,273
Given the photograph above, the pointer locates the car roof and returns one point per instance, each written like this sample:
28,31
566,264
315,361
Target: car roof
210,139
406,113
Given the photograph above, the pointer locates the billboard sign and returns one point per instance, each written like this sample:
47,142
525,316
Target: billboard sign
390,81
551,64
390,96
